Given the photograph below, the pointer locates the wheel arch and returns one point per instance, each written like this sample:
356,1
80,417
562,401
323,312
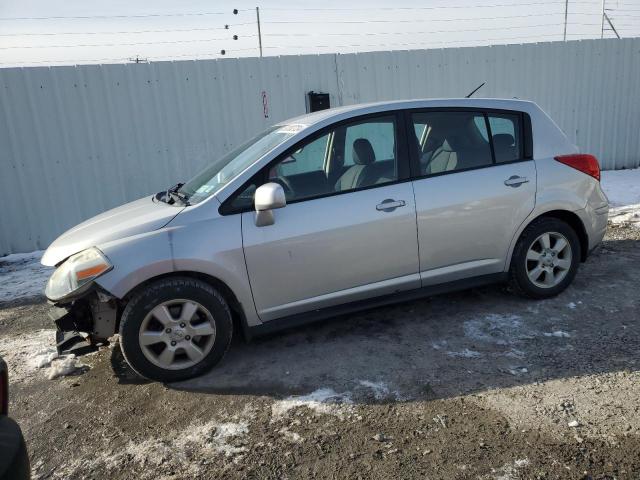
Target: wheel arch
574,222
237,312
567,216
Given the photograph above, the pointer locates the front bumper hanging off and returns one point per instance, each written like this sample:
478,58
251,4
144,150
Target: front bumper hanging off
83,324
68,337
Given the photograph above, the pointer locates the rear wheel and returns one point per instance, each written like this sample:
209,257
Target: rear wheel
175,329
545,259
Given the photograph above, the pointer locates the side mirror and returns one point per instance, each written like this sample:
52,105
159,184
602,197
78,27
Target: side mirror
267,198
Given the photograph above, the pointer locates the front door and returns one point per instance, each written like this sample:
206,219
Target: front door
348,231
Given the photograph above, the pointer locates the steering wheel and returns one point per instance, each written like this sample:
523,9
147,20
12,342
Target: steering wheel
286,185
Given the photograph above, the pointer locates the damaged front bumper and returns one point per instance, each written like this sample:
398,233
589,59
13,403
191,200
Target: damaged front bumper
84,323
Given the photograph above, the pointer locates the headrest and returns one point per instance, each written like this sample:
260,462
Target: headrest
363,152
503,140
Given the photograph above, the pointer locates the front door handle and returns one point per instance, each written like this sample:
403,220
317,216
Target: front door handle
389,205
515,181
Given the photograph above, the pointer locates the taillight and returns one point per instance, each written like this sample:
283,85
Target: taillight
582,161
4,393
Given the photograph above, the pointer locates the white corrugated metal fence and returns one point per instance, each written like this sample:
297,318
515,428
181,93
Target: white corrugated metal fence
75,141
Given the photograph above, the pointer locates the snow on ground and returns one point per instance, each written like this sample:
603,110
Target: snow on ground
498,329
29,354
622,188
465,353
290,436
556,333
22,275
509,471
63,366
380,389
187,449
323,400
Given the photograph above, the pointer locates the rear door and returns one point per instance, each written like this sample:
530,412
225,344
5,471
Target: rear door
348,231
475,186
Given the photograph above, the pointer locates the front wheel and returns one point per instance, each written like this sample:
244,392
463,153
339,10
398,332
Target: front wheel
175,329
545,259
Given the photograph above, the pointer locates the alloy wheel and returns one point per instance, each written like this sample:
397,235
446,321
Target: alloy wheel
177,334
548,260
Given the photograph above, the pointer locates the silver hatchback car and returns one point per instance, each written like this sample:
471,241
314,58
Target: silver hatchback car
329,213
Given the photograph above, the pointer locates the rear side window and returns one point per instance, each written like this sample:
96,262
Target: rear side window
451,141
507,137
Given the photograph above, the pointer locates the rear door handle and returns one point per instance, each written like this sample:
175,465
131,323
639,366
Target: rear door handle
515,181
389,205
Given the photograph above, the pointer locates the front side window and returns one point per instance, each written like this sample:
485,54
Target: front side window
309,158
381,136
451,141
212,178
348,157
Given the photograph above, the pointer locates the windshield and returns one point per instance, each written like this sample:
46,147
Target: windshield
221,172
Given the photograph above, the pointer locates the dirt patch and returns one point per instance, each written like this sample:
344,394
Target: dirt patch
478,384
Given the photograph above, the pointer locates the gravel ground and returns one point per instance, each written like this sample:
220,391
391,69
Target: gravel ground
479,384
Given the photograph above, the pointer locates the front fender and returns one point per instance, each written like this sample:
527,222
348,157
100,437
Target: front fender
211,246
136,259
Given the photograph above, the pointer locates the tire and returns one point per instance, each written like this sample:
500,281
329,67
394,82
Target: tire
523,269
182,313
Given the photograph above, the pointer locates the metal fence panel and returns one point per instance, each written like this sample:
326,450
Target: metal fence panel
79,140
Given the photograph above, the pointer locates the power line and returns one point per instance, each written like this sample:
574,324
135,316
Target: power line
517,27
559,34
421,20
161,42
441,7
127,32
197,14
236,37
146,15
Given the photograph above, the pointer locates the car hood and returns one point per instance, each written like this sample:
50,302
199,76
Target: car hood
133,218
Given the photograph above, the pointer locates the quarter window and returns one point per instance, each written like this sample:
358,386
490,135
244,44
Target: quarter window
451,141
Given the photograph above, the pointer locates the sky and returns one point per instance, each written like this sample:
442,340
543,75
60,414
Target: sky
55,32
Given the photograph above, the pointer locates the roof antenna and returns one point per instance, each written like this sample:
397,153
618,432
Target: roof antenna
476,89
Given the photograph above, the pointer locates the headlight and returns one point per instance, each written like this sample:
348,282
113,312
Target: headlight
77,271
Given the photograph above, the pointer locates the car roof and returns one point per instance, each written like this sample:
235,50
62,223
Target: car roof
344,112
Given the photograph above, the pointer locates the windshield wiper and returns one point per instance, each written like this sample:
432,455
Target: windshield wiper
183,197
171,195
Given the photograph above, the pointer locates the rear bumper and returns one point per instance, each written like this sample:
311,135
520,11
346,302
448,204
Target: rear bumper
14,460
595,223
600,218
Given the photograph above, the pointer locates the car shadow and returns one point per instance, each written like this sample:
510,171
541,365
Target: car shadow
448,345
122,370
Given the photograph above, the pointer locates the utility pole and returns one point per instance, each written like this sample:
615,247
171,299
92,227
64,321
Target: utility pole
611,25
602,27
259,33
566,13
137,59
